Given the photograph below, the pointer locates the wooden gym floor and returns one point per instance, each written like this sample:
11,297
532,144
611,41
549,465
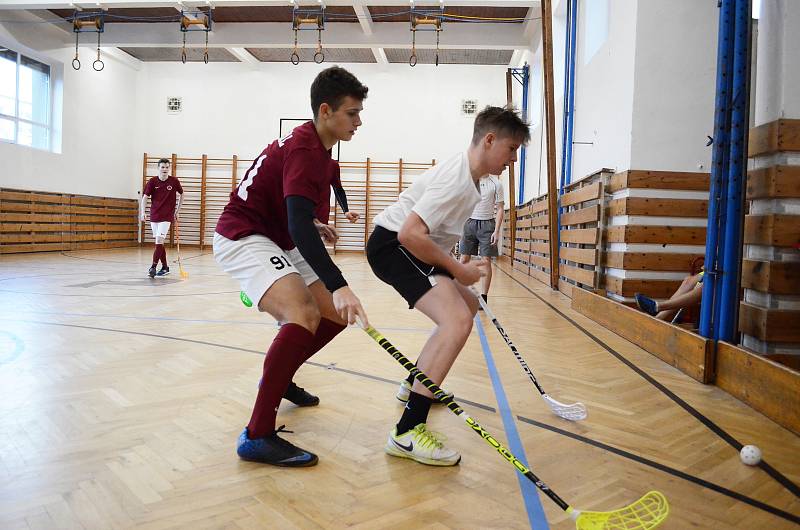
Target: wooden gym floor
121,399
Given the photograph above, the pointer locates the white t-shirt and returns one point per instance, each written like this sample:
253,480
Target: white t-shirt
443,196
491,194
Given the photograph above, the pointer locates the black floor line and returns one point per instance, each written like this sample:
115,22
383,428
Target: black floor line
96,295
620,452
666,469
394,382
716,429
236,348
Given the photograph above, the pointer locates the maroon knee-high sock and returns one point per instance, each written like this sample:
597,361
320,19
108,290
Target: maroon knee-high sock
157,253
326,331
284,356
164,256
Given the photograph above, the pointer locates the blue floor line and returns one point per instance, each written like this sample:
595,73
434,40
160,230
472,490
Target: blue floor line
530,495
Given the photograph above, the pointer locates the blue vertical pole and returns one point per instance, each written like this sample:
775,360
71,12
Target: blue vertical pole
569,93
739,124
716,207
525,83
573,25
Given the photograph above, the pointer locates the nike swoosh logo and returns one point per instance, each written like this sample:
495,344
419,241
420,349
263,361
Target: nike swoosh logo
298,458
409,447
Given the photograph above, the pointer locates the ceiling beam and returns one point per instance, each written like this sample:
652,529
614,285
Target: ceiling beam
533,25
380,56
364,18
112,4
122,57
278,35
243,55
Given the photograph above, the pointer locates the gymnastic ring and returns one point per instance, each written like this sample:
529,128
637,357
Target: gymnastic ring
412,61
76,64
205,57
183,56
295,58
102,65
321,57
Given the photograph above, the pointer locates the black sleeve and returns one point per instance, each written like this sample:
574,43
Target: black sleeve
306,237
341,198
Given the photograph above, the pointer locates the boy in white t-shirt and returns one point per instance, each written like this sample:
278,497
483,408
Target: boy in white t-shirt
410,250
482,229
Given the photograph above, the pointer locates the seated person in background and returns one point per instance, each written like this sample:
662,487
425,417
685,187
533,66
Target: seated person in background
688,294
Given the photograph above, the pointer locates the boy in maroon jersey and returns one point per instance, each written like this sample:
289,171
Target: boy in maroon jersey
162,191
269,239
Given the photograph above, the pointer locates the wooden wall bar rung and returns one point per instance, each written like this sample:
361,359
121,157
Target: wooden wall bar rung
586,193
772,229
674,235
662,180
584,276
539,206
774,325
658,207
775,136
774,182
582,216
585,256
775,277
587,236
627,287
649,261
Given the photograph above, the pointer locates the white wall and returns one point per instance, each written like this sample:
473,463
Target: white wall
675,84
413,113
603,98
644,100
778,75
604,90
111,117
98,124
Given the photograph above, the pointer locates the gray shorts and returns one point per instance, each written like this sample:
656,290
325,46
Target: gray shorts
477,238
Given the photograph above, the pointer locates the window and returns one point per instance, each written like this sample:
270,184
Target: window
24,100
595,27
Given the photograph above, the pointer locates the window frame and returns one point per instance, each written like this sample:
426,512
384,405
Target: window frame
16,119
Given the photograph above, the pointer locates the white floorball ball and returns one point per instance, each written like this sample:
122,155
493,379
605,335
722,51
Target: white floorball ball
750,454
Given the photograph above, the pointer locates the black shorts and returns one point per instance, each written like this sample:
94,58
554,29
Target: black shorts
393,264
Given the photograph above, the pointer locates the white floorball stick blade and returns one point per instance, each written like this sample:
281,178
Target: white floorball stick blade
573,412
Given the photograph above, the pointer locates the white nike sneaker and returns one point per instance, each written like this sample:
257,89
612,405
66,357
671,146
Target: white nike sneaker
422,445
405,391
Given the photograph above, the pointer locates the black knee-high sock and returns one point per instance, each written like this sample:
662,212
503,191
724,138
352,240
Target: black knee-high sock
416,412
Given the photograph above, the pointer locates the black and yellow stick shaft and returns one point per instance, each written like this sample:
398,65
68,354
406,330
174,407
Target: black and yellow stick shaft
439,394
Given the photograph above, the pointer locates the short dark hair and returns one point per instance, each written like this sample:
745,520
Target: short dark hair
332,85
503,121
163,161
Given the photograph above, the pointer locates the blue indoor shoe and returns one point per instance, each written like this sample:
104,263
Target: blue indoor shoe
648,305
274,450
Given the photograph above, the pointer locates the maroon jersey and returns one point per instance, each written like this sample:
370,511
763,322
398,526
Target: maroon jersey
323,210
162,195
297,164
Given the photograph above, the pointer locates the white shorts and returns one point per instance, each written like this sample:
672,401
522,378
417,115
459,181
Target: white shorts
160,229
256,263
